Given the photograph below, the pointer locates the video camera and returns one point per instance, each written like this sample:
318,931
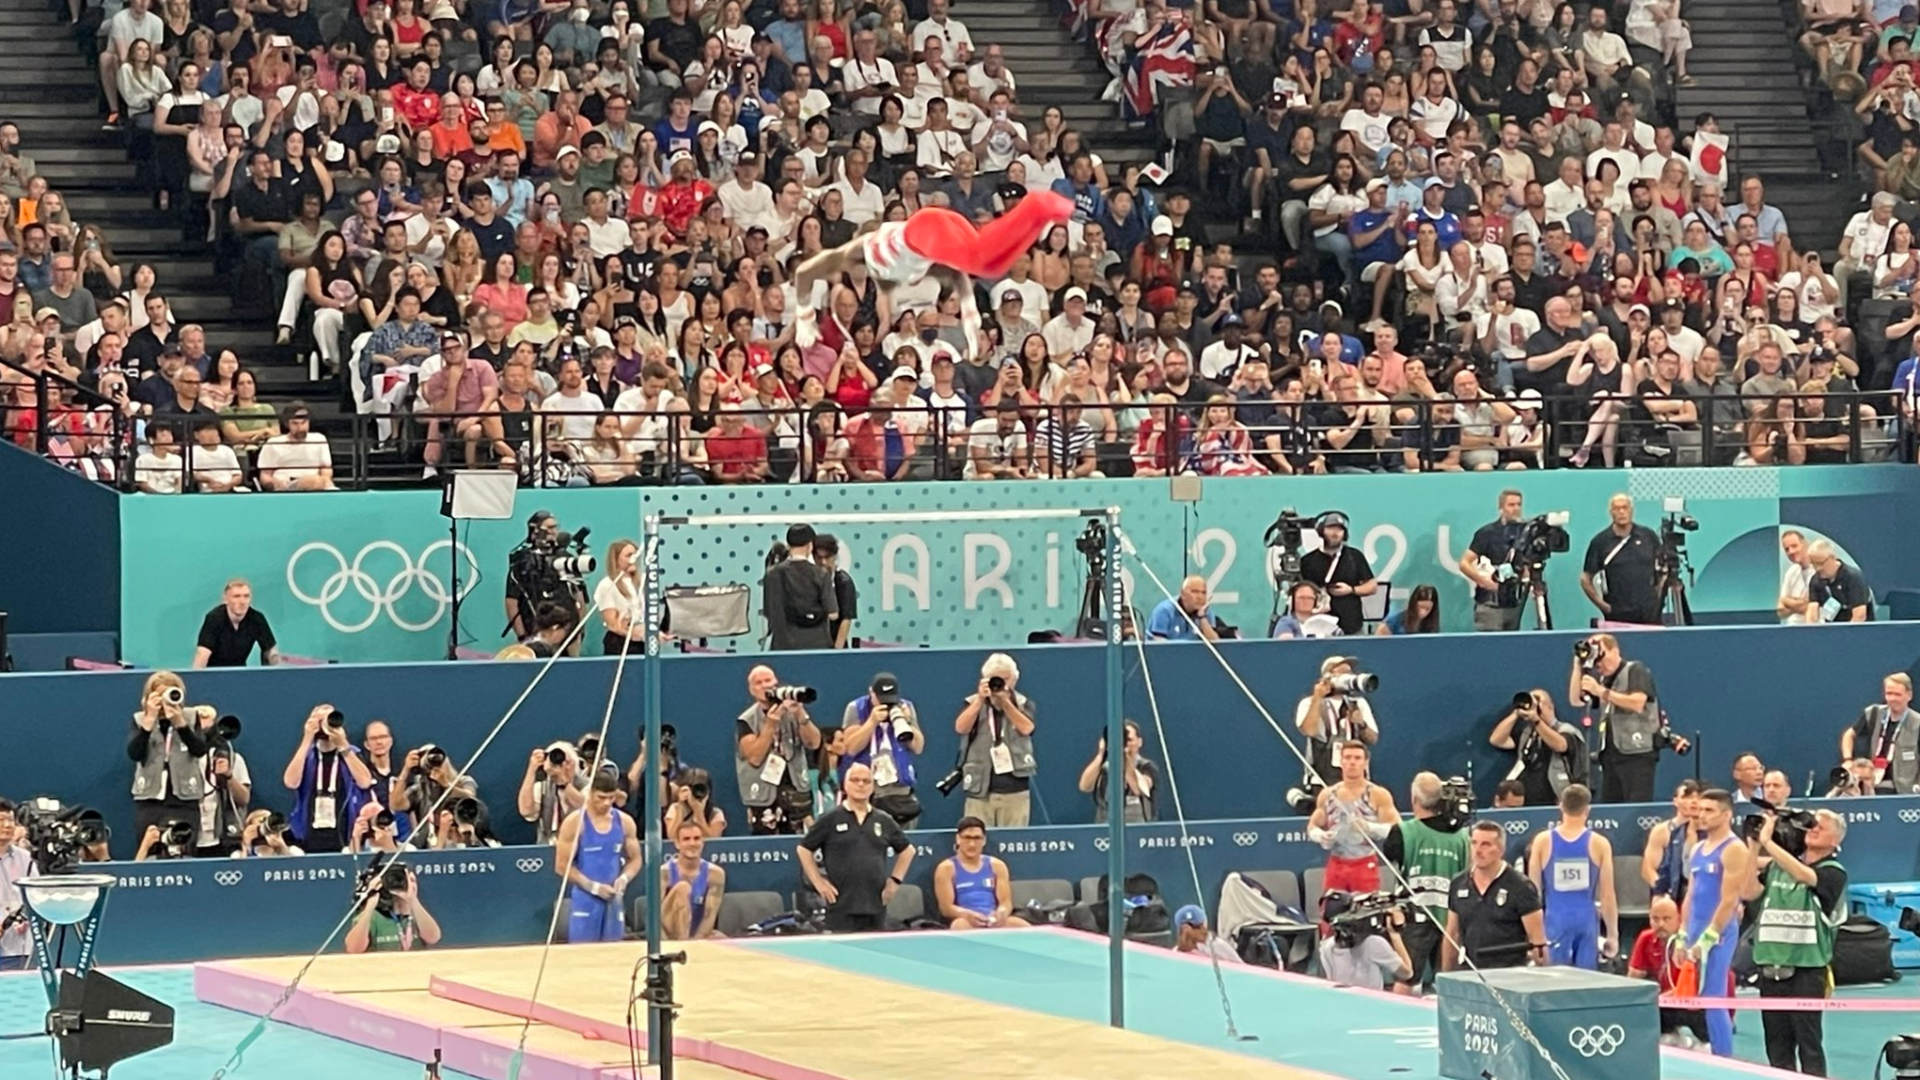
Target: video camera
1456,805
1354,916
1789,827
1284,538
60,835
1541,538
1092,545
551,567
1675,524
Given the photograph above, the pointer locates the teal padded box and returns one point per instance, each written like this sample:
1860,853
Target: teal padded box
1595,1027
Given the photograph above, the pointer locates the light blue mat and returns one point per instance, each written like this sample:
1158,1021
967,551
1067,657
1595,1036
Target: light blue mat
204,1036
1299,1022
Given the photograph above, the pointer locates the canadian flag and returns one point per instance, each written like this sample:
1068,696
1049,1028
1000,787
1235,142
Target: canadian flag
1710,158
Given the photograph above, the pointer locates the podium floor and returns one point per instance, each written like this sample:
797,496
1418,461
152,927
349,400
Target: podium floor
905,1007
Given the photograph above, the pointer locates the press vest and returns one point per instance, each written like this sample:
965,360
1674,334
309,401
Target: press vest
754,791
1792,930
976,772
1431,859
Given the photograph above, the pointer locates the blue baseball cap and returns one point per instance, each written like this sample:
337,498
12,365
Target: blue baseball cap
1190,915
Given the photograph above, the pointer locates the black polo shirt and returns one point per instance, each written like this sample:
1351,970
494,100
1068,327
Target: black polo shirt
1493,918
1848,589
230,645
1494,542
855,854
1630,590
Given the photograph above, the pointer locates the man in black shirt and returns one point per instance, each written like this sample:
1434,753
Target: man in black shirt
229,632
493,233
1551,350
1496,600
826,552
1493,911
1340,570
674,41
260,205
1622,556
851,874
1838,592
798,598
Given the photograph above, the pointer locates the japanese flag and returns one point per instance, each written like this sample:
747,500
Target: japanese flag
1710,158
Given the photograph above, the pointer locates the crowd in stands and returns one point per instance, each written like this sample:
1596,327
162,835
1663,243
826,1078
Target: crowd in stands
559,238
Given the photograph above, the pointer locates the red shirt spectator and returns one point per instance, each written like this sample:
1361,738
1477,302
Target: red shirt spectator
419,107
679,200
736,453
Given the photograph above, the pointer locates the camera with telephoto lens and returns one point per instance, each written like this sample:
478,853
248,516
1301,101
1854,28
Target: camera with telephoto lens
226,729
1301,799
1523,701
277,824
589,748
466,810
176,837
1354,916
948,782
431,758
550,569
1583,652
556,757
336,720
996,684
383,820
1358,682
59,834
173,695
805,695
1789,827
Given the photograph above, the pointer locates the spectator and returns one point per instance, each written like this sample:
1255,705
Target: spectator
159,470
231,631
298,460
1837,592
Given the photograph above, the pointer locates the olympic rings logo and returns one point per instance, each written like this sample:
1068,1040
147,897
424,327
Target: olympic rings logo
1517,827
1100,843
1910,816
1245,839
380,598
227,877
1597,1041
530,866
1648,821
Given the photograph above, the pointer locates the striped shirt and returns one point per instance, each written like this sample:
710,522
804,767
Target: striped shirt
1064,445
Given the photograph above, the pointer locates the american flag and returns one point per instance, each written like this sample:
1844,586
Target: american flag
1160,58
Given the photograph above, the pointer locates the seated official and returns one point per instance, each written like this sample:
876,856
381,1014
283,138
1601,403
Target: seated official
973,889
1655,957
1368,954
1185,617
691,887
392,921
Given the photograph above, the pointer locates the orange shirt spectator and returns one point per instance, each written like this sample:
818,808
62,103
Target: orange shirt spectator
564,126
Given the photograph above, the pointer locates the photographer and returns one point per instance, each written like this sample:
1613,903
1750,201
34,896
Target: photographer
771,739
1803,900
1853,779
1888,735
798,598
16,862
553,625
229,790
461,822
1493,911
329,782
1632,731
533,578
1549,752
553,787
693,803
425,775
1488,562
1334,713
170,840
1366,948
1430,851
1350,819
1340,570
996,738
265,834
165,743
1618,574
1138,772
373,830
391,916
883,733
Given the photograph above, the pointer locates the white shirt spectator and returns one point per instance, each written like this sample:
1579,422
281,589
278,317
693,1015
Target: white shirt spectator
1034,301
436,249
1327,200
1453,298
868,203
1450,50
1219,359
1814,304
998,151
1605,47
1510,331
746,206
1562,199
1623,159
1493,259
245,111
610,237
215,465
577,412
1370,130
858,75
984,436
651,433
814,103
159,474
953,37
986,84
938,149
1867,237
1434,117
296,457
126,28
1794,583
1063,338
1687,342
306,114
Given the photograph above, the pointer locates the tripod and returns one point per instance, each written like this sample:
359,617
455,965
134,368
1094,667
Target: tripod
1533,583
1675,610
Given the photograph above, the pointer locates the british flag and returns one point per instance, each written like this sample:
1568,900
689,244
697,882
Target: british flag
1160,58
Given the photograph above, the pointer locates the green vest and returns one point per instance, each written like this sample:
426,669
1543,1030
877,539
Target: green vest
384,933
1431,859
1792,930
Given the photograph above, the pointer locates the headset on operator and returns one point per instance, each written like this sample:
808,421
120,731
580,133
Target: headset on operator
549,567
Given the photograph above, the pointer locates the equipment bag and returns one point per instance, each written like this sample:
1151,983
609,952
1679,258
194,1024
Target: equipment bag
1862,953
1146,911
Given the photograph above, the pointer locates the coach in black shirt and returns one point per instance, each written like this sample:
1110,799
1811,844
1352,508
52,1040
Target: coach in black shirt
1493,911
229,632
852,840
1624,553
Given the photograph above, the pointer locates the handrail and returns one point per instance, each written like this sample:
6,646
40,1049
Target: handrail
45,383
